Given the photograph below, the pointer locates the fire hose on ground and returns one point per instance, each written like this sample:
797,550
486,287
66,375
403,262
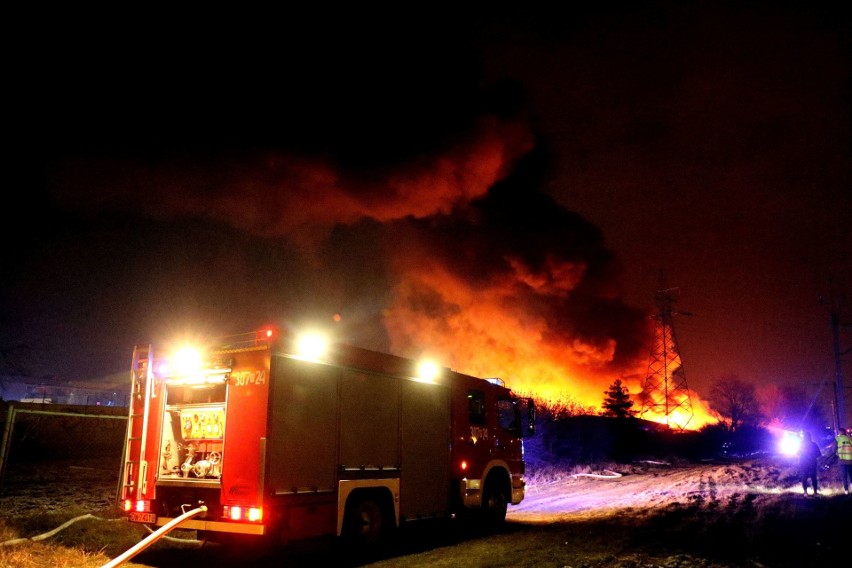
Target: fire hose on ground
606,475
142,545
49,534
153,537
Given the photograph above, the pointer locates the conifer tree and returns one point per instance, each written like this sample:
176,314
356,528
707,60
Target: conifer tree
617,403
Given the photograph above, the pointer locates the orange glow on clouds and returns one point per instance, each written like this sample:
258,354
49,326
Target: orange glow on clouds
301,196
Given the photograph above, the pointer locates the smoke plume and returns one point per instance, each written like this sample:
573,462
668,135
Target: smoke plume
413,192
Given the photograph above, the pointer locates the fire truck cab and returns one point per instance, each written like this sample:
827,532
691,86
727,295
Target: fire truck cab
289,440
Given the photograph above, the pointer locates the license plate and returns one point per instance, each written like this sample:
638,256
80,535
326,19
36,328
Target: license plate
147,518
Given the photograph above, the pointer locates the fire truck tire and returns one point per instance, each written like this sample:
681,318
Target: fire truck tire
366,522
495,501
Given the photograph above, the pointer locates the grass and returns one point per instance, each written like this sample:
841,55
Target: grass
91,540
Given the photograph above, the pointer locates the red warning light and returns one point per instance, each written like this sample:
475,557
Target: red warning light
266,334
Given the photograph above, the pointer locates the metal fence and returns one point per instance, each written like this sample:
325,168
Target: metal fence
42,393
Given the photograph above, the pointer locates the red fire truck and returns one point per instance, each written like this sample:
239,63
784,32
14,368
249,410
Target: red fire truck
276,436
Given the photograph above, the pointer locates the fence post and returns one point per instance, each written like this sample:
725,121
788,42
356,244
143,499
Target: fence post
7,440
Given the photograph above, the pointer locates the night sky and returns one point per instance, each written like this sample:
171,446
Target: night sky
506,190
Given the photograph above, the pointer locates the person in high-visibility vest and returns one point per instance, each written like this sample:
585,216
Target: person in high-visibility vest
844,456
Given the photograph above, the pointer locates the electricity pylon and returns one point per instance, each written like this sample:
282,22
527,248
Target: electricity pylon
666,394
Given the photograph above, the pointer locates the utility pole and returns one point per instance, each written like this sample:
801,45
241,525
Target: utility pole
839,391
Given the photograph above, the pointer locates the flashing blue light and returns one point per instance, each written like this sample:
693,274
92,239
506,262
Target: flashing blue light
790,443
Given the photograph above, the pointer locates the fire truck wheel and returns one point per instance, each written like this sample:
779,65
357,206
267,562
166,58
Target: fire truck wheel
365,522
494,503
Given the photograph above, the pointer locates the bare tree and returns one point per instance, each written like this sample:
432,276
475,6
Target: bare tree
565,406
736,402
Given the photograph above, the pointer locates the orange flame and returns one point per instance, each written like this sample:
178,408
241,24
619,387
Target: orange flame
487,330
